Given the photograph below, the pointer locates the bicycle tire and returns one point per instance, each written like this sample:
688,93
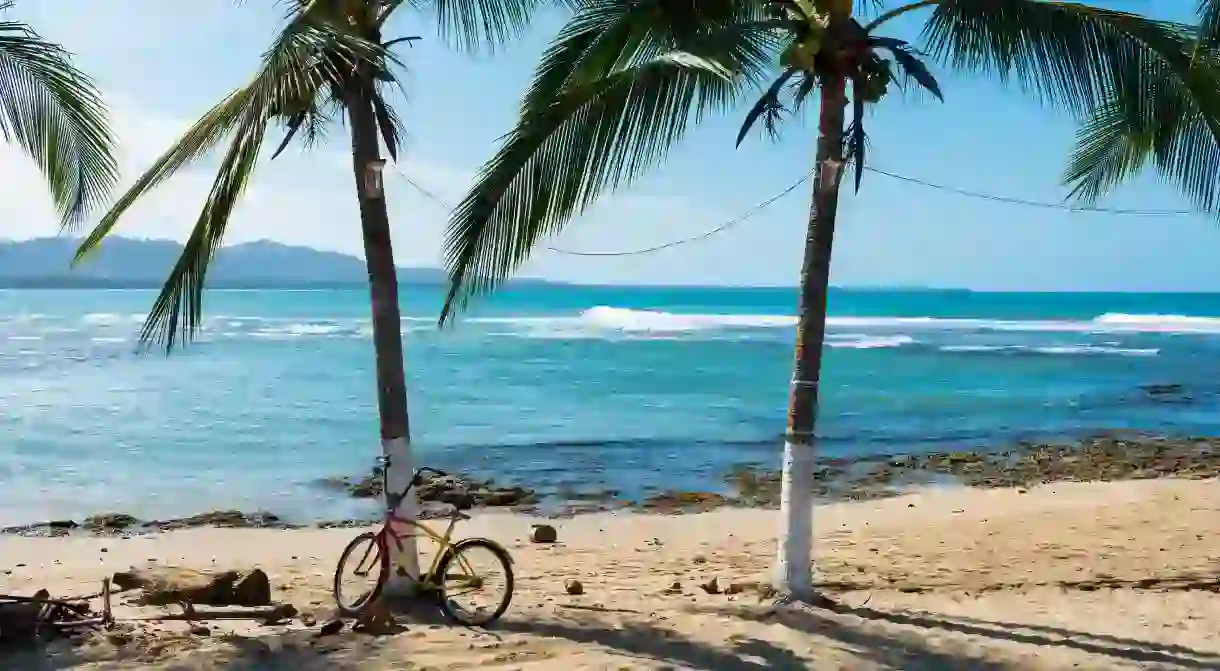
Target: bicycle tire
383,567
451,555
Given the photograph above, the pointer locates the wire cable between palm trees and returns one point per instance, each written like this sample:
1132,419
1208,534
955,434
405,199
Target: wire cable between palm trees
1031,203
764,204
646,250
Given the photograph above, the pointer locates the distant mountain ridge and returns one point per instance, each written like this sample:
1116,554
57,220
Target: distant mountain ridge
130,263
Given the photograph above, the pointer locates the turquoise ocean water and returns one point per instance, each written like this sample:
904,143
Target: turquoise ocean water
553,386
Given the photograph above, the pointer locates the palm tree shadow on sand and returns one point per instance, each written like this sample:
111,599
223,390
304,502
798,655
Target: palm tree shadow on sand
897,639
857,627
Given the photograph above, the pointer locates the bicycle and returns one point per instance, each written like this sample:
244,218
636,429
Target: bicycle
451,561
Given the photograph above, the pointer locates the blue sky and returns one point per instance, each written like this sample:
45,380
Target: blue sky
162,64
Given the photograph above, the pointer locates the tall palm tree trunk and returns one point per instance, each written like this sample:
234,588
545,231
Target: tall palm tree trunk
793,572
387,331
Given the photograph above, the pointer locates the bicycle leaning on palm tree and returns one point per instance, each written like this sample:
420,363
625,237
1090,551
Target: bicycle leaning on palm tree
452,573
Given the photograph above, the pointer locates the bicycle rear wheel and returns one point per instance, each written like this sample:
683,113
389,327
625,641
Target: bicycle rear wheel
364,556
475,580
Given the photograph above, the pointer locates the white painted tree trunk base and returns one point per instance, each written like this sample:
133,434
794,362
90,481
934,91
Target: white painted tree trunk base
793,566
402,467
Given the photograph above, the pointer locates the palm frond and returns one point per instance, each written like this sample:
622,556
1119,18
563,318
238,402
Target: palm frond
1106,154
1077,56
475,25
614,92
856,139
1168,126
297,77
1097,62
389,123
1209,22
769,108
910,66
55,114
595,138
801,91
869,7
175,315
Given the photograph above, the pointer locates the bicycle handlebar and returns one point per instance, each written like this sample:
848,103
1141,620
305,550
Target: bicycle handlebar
384,462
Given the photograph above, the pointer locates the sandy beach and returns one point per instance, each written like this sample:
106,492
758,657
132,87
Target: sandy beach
1067,576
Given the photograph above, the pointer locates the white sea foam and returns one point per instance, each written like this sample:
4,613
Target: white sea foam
874,342
606,318
608,321
1160,323
1092,349
653,320
1056,349
108,318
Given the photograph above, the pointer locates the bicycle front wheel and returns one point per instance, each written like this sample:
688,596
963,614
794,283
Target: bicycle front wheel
475,579
366,565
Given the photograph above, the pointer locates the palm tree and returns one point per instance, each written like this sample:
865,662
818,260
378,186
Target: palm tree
330,63
623,81
55,114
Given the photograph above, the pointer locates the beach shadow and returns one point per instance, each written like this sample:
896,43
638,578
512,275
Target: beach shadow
297,651
1166,650
1133,650
656,645
647,644
40,659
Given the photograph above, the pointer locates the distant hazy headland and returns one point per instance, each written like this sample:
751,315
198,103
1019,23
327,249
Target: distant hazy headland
124,263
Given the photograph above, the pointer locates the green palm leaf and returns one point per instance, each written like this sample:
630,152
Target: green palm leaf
614,92
53,112
1107,152
1167,126
1076,56
304,64
1209,22
303,85
473,25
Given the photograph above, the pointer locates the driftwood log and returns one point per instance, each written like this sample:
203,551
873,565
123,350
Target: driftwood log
166,585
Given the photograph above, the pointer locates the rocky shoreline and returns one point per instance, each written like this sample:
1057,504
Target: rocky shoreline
1103,457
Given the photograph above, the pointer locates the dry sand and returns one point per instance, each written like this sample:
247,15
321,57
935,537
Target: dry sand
1098,576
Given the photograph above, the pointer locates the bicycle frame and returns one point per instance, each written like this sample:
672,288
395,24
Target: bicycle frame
391,519
444,542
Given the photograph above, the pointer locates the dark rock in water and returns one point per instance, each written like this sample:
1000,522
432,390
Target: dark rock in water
1161,389
369,487
223,518
49,529
110,522
511,496
1167,393
1104,457
677,501
447,489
